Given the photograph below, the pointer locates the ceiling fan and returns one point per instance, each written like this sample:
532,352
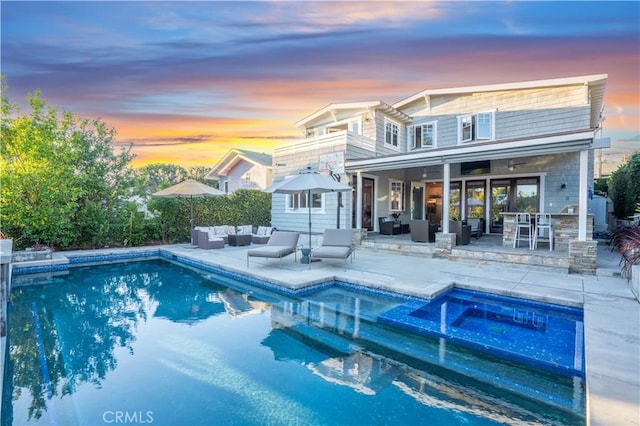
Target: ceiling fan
428,177
511,165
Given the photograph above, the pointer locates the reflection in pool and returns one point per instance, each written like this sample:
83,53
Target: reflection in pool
156,342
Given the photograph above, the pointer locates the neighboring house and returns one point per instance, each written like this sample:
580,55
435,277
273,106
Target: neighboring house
451,153
242,169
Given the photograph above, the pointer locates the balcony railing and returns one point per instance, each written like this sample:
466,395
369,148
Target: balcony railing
342,138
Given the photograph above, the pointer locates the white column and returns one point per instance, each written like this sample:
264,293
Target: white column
446,185
358,196
582,197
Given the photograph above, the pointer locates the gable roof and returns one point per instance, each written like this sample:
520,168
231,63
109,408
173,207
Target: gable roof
595,83
357,107
233,157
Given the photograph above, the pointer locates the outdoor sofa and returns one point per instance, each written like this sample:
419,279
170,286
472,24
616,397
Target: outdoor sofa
261,234
281,244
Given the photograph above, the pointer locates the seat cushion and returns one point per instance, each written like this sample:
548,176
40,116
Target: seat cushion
271,251
244,229
333,252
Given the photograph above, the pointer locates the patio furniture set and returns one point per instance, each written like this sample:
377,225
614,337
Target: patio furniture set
216,237
425,230
336,244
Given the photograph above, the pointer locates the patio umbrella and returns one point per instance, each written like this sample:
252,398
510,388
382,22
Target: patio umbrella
471,202
310,182
188,189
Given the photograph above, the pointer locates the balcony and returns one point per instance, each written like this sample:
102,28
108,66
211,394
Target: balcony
342,138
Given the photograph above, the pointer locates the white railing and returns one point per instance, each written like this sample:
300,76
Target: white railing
342,138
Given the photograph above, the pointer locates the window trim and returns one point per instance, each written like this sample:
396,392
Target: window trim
411,137
388,121
474,127
297,210
402,195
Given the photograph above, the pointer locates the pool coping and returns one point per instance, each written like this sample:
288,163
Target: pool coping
611,352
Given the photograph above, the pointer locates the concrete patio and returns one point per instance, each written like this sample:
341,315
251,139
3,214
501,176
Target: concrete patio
611,312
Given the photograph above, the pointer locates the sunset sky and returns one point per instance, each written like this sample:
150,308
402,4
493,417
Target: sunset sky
187,81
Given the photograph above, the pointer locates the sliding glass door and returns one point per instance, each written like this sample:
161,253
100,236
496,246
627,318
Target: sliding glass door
513,195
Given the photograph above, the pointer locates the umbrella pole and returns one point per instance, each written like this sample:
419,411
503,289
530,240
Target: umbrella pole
191,221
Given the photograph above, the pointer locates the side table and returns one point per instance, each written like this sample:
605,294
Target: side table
239,240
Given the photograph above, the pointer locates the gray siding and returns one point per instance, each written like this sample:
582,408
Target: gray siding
292,163
381,147
518,114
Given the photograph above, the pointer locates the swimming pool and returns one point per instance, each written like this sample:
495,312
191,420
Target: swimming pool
157,342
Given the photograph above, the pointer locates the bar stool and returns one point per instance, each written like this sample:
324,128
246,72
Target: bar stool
543,222
523,221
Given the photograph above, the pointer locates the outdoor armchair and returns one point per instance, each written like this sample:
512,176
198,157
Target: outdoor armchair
389,226
336,244
422,231
477,225
281,244
462,231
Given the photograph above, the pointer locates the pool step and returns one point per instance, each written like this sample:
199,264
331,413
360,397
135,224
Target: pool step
406,248
533,260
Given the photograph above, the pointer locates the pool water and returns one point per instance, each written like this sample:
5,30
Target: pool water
549,336
159,343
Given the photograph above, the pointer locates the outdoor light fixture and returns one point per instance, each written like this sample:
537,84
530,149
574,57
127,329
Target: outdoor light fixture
424,173
563,186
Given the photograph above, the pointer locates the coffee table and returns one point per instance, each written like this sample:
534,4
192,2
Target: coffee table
239,240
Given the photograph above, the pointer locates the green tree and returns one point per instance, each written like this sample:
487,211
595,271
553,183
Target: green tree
62,183
624,187
199,172
154,177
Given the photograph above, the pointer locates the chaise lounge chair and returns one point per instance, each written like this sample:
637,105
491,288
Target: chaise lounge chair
336,244
281,244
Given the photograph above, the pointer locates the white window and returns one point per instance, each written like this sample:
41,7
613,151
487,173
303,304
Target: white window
423,136
396,196
391,132
354,127
247,176
476,127
299,202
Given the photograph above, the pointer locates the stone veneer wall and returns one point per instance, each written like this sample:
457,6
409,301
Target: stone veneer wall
583,257
565,229
444,244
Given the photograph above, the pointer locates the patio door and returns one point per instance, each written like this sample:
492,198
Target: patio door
513,195
417,201
500,202
367,203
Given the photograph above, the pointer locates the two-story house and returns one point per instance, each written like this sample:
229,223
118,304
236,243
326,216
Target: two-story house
242,169
455,153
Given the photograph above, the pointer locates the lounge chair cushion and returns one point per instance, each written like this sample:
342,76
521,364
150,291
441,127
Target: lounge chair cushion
336,244
271,251
281,243
333,252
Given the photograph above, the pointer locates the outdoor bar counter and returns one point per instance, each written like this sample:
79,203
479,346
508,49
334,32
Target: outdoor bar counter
565,227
